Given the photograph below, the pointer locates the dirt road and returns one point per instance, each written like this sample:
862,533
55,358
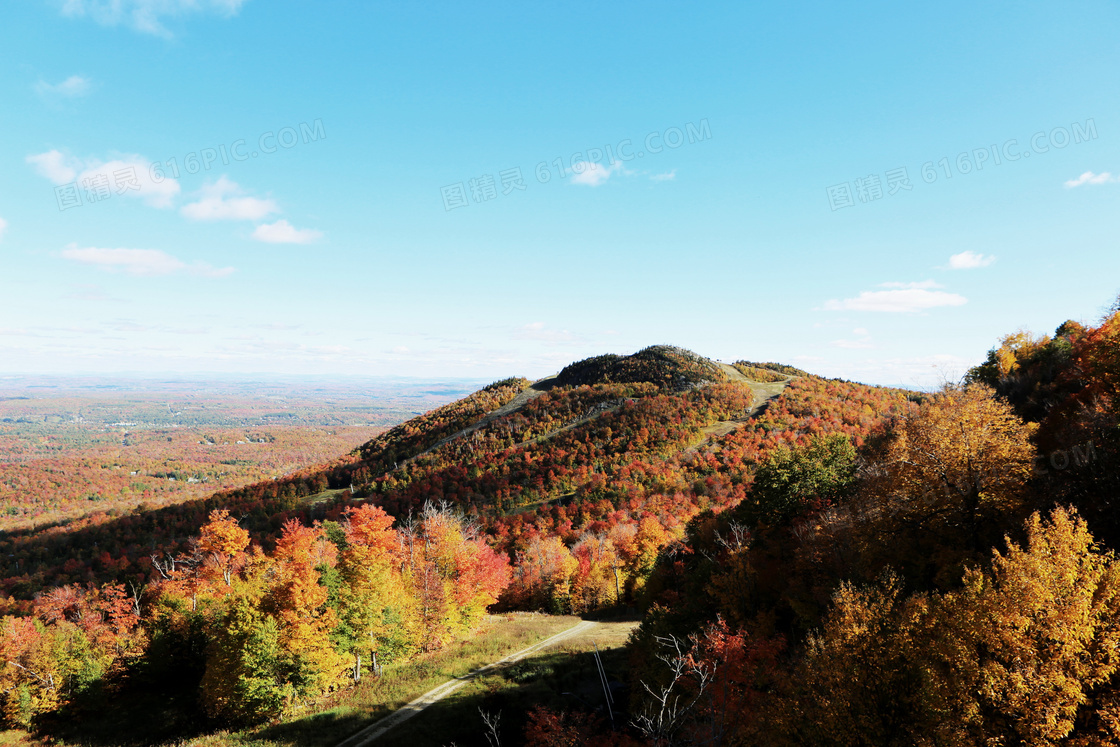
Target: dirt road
375,730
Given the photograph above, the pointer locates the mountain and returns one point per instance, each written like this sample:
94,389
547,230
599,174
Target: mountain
608,440
817,561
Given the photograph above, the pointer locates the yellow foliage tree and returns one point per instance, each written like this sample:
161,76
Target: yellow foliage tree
223,543
1013,657
965,455
1023,654
305,621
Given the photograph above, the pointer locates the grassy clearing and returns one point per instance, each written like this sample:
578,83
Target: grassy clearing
346,712
564,677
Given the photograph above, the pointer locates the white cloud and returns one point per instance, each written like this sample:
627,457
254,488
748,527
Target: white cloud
1090,178
667,176
593,174
3,227
145,15
862,343
969,261
55,166
127,175
131,176
283,232
923,284
140,262
72,87
219,202
902,298
852,344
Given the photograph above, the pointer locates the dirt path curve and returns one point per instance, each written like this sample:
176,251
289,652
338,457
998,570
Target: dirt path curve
527,395
764,393
377,729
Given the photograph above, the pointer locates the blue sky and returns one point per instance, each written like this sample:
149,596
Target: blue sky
877,192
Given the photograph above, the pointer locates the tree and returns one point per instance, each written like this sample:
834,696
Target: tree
378,618
543,577
245,679
1024,653
965,457
224,543
855,684
312,665
1018,653
639,550
1099,356
790,481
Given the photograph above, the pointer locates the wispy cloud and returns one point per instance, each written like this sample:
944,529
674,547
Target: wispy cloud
146,16
283,232
140,262
220,200
921,284
970,261
593,174
55,166
3,228
127,175
1090,178
666,177
71,88
901,298
862,341
540,332
89,292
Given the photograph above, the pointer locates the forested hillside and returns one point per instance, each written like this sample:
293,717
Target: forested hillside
818,561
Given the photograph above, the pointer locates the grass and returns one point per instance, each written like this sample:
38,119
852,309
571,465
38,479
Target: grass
563,678
348,711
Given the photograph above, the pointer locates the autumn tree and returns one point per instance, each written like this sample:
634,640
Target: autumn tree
855,684
32,679
1099,356
223,543
299,602
638,548
964,458
597,581
1018,653
1024,653
246,678
377,616
543,575
706,687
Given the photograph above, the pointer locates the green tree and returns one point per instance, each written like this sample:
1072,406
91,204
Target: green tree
244,679
791,480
